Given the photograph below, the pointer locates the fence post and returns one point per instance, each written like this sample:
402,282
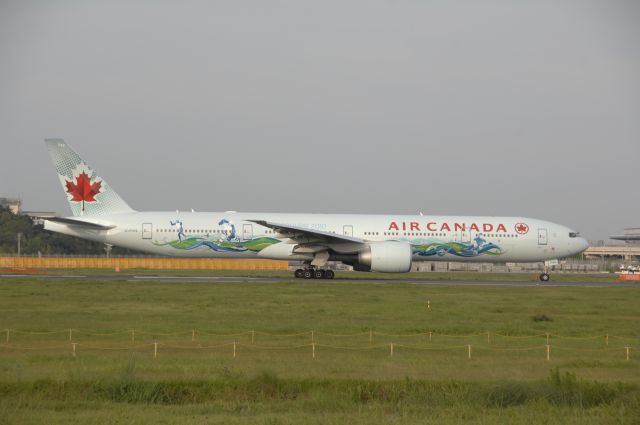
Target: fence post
606,339
429,336
469,347
488,337
70,334
155,350
73,346
627,348
313,350
253,333
391,349
548,351
234,349
312,339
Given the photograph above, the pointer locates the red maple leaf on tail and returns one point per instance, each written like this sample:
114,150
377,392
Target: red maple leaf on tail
83,190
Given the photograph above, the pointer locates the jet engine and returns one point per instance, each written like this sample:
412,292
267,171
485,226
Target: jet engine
385,257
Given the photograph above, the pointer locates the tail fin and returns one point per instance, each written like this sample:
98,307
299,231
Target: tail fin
87,193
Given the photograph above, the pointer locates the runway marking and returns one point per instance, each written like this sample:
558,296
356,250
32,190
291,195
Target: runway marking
357,281
199,277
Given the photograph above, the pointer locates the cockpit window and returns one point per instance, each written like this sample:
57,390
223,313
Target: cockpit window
574,234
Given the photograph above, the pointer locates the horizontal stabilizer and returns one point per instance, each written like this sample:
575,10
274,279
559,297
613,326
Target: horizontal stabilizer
74,222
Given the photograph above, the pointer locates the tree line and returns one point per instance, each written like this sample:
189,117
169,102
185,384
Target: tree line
34,240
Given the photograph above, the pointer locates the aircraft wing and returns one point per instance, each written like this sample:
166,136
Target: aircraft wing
306,235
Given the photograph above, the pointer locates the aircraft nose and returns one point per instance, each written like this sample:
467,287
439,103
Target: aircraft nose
580,245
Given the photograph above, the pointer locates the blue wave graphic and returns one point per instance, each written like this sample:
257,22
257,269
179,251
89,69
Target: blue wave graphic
458,249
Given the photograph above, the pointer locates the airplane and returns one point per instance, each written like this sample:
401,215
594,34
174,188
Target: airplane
377,243
627,237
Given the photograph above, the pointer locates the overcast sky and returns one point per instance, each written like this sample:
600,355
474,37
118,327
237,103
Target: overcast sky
478,108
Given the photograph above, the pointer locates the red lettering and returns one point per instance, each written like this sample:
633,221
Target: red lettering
432,227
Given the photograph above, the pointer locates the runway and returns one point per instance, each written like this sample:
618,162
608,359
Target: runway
273,280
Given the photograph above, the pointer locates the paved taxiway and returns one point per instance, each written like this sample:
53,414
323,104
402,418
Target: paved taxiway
379,281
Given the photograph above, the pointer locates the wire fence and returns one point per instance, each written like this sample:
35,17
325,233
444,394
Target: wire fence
75,341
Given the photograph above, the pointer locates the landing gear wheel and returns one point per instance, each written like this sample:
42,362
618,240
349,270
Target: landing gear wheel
299,273
328,274
544,277
318,274
307,274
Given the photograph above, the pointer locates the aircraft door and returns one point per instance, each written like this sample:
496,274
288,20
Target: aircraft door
542,236
465,237
147,230
347,230
247,232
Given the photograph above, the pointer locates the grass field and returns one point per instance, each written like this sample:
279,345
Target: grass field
353,379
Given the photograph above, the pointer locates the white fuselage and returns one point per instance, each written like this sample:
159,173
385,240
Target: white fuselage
231,235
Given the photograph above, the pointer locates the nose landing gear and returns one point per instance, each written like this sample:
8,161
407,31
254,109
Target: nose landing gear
313,273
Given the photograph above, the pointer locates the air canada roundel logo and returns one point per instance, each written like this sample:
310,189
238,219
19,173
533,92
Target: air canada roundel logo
522,228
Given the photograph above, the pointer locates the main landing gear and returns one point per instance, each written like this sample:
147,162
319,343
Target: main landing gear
313,273
544,277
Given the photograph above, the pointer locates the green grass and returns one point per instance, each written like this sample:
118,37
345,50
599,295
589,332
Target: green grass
585,380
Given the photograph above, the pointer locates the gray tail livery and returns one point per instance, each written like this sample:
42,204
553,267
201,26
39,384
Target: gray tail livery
87,192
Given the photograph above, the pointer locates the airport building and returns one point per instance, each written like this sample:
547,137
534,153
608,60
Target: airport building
630,250
15,206
38,217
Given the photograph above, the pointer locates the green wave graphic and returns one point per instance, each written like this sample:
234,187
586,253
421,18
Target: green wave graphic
254,245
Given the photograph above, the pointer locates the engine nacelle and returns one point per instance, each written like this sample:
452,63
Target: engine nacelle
385,257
